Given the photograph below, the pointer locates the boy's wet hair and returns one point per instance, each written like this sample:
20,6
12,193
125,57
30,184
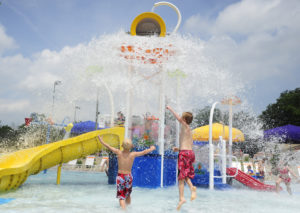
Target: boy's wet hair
187,117
127,144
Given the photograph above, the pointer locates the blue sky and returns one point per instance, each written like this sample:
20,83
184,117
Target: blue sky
37,25
257,39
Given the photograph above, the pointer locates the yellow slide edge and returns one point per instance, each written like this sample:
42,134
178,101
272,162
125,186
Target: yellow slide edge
17,166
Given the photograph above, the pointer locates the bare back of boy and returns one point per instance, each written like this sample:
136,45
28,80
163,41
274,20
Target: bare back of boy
125,161
126,158
185,137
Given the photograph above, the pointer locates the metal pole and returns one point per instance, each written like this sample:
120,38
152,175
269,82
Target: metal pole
52,111
162,126
211,148
177,123
97,109
223,160
112,106
53,94
75,115
128,106
76,107
178,110
230,135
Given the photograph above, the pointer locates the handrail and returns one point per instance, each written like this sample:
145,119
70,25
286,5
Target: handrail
236,171
211,148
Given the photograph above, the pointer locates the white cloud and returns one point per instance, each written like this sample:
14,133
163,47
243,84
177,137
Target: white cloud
9,106
6,42
199,24
255,39
38,80
34,78
257,16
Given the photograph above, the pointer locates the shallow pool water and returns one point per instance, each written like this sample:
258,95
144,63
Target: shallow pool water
89,192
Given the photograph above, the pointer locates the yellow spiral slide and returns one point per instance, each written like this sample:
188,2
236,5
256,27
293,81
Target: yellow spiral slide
17,166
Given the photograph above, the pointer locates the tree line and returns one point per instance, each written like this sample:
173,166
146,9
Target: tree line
286,110
29,136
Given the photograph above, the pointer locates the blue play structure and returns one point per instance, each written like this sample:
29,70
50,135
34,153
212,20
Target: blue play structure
201,179
146,170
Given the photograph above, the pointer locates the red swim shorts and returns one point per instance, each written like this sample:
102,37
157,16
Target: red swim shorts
124,185
285,179
186,158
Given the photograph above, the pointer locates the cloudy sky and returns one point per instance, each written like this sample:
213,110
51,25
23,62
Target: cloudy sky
258,40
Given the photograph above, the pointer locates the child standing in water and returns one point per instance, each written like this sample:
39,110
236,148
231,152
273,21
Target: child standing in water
186,156
125,161
250,171
284,176
261,170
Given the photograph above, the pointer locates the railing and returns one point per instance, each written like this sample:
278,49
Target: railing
236,171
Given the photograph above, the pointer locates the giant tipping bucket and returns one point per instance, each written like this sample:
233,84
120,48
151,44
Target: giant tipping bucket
147,24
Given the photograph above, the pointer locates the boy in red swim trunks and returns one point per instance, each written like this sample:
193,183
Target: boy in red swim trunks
186,156
125,161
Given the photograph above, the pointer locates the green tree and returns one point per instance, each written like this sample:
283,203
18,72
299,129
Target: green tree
285,111
6,131
29,136
241,120
8,136
201,116
36,132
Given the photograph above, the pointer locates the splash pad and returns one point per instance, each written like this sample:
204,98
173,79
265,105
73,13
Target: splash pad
138,71
140,61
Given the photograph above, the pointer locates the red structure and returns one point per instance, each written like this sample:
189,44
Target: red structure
249,181
28,121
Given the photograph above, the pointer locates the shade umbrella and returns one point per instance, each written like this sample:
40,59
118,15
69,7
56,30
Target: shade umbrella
202,133
83,127
285,133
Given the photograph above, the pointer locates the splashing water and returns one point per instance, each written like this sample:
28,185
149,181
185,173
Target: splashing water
89,192
204,81
106,62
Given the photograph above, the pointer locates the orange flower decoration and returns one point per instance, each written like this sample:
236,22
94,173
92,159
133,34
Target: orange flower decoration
146,137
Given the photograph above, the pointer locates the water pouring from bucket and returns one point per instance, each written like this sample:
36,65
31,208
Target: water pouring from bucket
150,24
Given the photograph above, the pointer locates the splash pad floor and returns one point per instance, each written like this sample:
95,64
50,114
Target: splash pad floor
89,192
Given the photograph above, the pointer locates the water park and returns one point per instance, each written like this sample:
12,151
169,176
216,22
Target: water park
136,75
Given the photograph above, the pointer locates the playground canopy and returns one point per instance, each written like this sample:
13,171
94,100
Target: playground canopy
285,133
84,127
202,133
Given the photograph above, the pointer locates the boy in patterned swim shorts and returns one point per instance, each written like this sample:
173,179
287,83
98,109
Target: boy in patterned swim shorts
125,161
186,156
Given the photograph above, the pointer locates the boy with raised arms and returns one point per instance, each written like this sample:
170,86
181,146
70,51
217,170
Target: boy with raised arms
125,161
186,156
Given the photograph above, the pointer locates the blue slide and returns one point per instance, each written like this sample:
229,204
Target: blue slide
5,200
